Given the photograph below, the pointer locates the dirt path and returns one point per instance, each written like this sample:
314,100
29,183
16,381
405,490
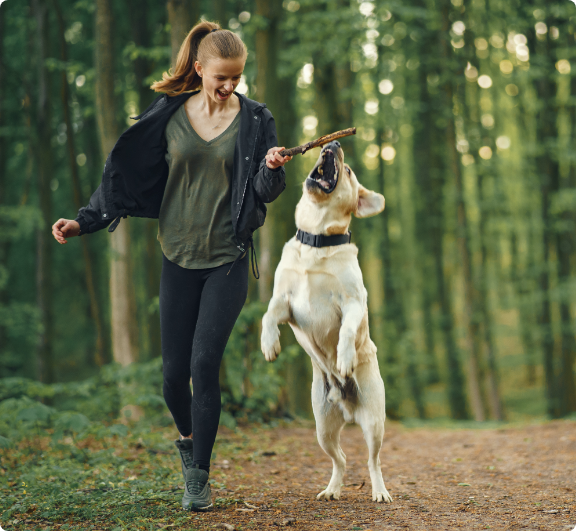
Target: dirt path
513,478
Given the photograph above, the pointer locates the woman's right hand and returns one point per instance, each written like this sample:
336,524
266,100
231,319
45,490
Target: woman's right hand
65,228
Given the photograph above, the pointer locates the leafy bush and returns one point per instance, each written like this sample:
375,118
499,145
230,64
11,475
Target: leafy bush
251,390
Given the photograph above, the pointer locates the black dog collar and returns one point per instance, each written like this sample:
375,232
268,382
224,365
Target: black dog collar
319,240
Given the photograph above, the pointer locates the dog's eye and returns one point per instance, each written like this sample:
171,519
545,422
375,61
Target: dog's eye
348,170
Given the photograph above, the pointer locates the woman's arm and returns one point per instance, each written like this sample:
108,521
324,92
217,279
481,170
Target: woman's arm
89,219
270,180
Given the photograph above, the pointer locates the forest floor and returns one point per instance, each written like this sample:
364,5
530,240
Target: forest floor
265,478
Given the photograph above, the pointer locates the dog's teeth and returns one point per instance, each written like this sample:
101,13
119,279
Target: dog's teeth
320,170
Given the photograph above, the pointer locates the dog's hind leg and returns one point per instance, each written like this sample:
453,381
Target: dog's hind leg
371,415
329,423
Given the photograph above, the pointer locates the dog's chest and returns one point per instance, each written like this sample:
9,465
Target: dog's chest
315,304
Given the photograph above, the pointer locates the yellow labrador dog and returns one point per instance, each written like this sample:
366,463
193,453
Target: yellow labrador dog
318,290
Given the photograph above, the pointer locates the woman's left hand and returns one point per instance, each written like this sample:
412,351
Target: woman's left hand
273,160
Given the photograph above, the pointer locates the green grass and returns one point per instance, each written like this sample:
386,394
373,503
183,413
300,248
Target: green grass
96,482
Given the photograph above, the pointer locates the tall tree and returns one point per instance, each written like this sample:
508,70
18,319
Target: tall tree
395,320
278,95
3,123
44,173
564,185
543,53
480,325
474,346
430,173
182,15
122,300
95,309
141,35
267,83
521,282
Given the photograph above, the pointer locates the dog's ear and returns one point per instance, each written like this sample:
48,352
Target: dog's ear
369,203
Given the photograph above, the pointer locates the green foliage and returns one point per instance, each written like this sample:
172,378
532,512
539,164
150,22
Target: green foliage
251,389
252,386
403,74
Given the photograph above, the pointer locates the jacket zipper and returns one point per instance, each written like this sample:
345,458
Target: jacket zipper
246,182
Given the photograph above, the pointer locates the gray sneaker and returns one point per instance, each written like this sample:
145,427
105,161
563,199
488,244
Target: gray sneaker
197,495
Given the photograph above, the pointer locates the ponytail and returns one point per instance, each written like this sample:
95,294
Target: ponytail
205,41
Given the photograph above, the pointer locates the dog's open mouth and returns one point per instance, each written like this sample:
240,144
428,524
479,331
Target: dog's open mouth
325,174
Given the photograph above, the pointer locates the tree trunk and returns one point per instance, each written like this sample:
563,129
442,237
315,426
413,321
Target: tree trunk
142,69
182,15
480,302
492,378
430,169
95,309
396,328
470,296
44,170
565,246
4,242
219,7
522,289
547,171
124,325
279,96
274,233
395,322
267,91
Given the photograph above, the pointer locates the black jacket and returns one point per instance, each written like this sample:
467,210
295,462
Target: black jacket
136,170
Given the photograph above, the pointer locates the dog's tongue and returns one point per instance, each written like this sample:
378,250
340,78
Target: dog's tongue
324,183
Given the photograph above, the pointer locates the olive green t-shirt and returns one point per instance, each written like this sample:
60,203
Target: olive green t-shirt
195,223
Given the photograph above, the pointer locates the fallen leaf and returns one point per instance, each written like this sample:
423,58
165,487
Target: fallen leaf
228,527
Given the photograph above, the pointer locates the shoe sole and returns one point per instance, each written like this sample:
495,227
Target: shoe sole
199,509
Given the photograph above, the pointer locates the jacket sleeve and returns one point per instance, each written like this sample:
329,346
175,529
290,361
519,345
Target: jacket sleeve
268,183
90,217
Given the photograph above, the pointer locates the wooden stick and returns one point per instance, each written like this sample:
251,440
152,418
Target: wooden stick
317,143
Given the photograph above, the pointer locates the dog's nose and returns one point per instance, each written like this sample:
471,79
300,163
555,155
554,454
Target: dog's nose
337,143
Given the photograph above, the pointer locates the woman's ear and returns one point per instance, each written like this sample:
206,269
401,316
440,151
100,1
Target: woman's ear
369,203
198,68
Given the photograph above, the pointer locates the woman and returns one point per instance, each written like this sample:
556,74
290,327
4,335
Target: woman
203,163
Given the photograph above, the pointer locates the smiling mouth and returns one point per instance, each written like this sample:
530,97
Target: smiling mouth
325,174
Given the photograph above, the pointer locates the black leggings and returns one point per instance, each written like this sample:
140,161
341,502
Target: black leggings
198,309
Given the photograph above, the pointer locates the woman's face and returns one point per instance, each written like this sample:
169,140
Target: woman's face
220,77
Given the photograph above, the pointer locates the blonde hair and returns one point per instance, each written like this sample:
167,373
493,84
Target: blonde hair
205,41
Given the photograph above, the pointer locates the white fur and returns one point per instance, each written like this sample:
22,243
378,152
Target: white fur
320,293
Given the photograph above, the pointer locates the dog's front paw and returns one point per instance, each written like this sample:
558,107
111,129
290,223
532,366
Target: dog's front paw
346,355
270,343
381,496
329,494
345,366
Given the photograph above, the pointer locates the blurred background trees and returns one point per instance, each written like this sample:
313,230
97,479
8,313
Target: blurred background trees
466,120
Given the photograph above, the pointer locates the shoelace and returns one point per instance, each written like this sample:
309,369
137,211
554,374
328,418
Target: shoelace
195,487
188,459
